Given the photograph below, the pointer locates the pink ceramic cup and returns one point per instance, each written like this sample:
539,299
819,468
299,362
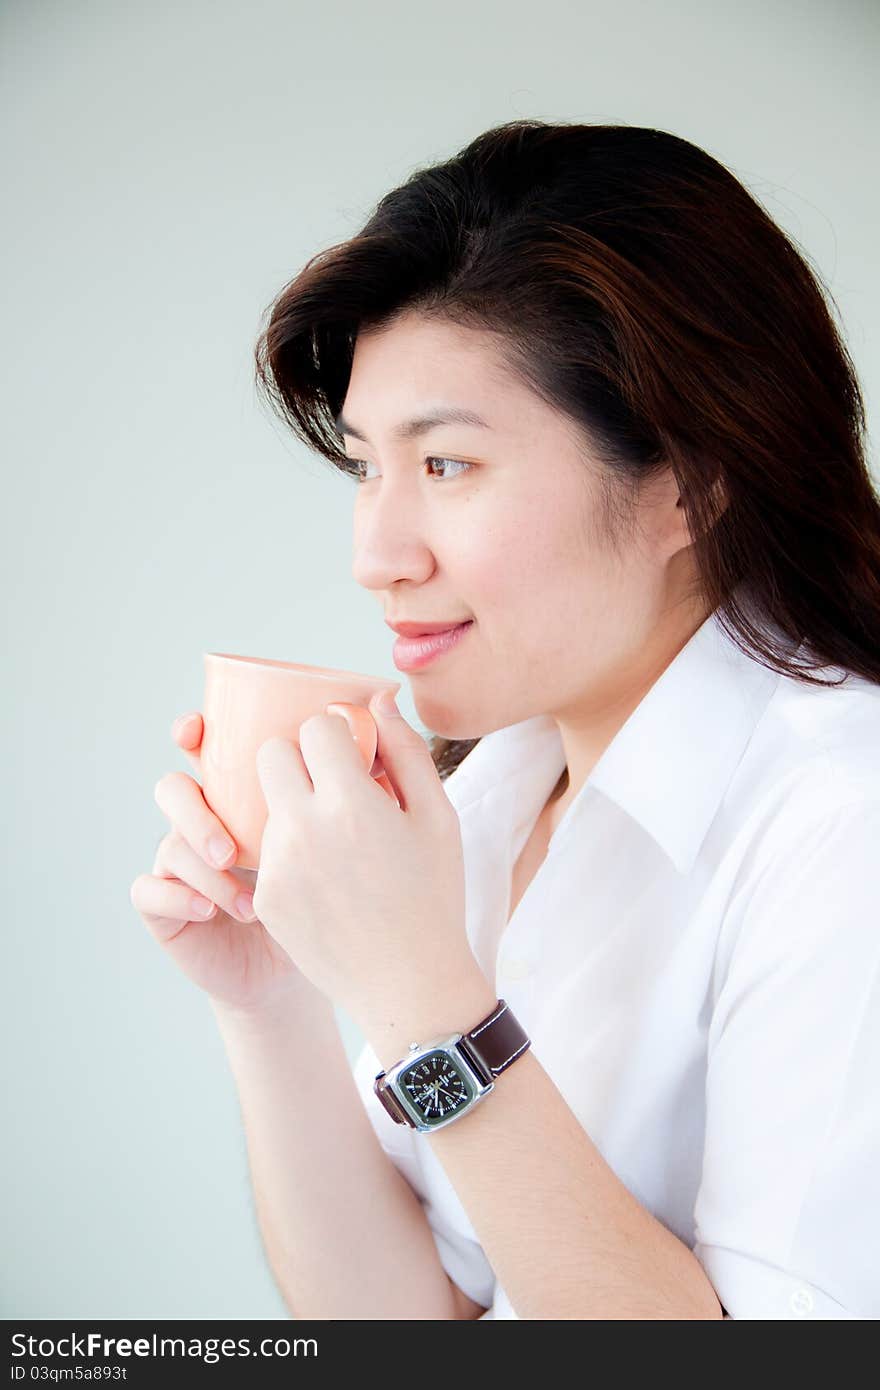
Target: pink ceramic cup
249,699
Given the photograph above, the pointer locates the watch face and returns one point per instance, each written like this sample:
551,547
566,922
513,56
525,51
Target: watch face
435,1087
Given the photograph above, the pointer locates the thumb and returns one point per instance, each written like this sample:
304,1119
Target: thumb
405,756
386,703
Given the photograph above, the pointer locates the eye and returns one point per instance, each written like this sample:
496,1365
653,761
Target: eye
456,463
354,466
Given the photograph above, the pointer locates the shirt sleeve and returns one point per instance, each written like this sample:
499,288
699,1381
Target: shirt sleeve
461,1255
786,1216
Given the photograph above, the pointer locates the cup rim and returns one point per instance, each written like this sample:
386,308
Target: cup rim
326,673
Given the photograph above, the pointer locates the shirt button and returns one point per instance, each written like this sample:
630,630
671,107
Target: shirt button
514,968
801,1302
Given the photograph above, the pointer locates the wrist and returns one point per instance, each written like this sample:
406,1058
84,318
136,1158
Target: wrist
445,1077
296,999
431,1013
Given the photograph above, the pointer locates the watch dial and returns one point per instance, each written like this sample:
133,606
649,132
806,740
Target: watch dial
435,1087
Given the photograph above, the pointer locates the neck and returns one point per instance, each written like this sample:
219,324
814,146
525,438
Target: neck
585,738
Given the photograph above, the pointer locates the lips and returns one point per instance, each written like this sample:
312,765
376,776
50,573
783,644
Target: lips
412,653
423,629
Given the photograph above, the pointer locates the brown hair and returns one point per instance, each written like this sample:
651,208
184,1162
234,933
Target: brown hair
640,289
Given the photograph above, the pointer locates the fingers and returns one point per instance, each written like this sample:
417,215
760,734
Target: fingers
181,799
186,883
187,732
166,906
177,859
281,766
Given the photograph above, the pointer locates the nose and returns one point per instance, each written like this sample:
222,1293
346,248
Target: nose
389,544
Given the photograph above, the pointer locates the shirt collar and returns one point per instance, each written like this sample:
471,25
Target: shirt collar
667,767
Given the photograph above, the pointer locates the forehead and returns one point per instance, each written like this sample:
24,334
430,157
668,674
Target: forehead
416,368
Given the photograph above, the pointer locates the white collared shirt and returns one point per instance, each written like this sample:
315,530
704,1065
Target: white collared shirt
696,964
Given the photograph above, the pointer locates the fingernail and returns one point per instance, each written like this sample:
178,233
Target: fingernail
244,906
181,723
203,907
220,849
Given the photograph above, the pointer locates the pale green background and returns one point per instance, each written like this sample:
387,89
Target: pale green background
166,168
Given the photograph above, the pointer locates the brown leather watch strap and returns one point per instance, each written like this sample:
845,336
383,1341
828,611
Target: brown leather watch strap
390,1101
495,1042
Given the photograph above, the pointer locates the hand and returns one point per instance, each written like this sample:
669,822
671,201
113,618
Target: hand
222,949
366,896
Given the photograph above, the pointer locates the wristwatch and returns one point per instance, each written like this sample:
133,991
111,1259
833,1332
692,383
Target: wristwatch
439,1081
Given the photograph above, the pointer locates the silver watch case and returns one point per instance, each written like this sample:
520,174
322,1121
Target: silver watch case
477,1087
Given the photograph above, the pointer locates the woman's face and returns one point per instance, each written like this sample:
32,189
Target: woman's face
564,623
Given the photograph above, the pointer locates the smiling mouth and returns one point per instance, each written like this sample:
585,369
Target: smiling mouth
412,653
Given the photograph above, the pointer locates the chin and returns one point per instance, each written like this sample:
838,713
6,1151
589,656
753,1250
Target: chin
444,720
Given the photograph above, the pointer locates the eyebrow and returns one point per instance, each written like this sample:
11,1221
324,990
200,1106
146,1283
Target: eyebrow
420,424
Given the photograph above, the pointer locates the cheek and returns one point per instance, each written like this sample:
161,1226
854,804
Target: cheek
536,560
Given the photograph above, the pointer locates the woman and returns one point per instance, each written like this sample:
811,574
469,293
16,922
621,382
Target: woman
598,414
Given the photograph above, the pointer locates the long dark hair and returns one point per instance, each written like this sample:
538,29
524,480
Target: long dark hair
639,288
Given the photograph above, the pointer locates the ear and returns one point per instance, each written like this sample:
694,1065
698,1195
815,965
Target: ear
716,501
